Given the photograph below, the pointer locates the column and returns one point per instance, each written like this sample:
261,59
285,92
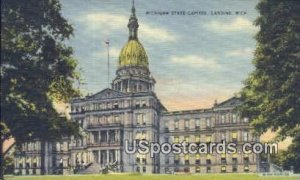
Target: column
122,86
117,136
99,137
99,157
107,136
81,157
116,155
73,159
107,156
128,85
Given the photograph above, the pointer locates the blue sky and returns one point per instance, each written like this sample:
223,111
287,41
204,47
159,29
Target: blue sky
195,59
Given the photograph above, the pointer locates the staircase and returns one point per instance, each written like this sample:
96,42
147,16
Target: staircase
93,168
275,168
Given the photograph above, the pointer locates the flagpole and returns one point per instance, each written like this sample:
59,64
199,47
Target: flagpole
108,72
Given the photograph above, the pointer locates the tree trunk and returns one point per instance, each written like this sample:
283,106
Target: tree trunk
1,159
43,157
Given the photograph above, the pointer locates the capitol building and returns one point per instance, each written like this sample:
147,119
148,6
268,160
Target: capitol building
130,111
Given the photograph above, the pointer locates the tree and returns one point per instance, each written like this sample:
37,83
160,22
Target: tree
271,95
289,158
8,164
292,156
37,68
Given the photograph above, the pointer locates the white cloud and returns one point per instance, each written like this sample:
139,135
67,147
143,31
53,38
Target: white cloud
154,33
238,24
195,61
105,22
113,52
245,52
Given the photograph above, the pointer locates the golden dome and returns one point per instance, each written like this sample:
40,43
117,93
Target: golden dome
133,54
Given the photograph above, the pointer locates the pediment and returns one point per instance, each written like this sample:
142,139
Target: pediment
107,94
232,102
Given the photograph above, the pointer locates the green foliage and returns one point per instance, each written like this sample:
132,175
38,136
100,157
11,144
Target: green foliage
290,157
8,164
271,94
37,68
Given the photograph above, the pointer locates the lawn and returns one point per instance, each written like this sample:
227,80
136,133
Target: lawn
153,177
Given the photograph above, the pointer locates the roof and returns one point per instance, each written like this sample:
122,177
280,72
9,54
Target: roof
231,102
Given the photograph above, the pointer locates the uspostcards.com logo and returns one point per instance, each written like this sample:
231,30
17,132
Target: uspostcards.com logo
152,148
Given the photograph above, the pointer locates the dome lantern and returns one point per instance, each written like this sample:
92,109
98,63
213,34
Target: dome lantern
133,53
133,75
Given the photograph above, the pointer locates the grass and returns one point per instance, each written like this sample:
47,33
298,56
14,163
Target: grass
153,177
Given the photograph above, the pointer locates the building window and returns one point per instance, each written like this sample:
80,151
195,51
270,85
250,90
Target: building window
223,158
144,160
27,165
197,161
208,169
197,121
208,159
197,169
116,119
176,124
246,168
167,170
223,169
167,161
197,139
61,164
234,160
144,103
35,145
176,159
116,105
208,138
138,119
33,171
208,124
223,119
166,125
186,159
143,135
144,169
166,139
234,118
138,136
141,119
234,136
108,106
176,139
223,136
137,104
245,136
246,159
138,169
186,169
234,168
186,124
187,139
